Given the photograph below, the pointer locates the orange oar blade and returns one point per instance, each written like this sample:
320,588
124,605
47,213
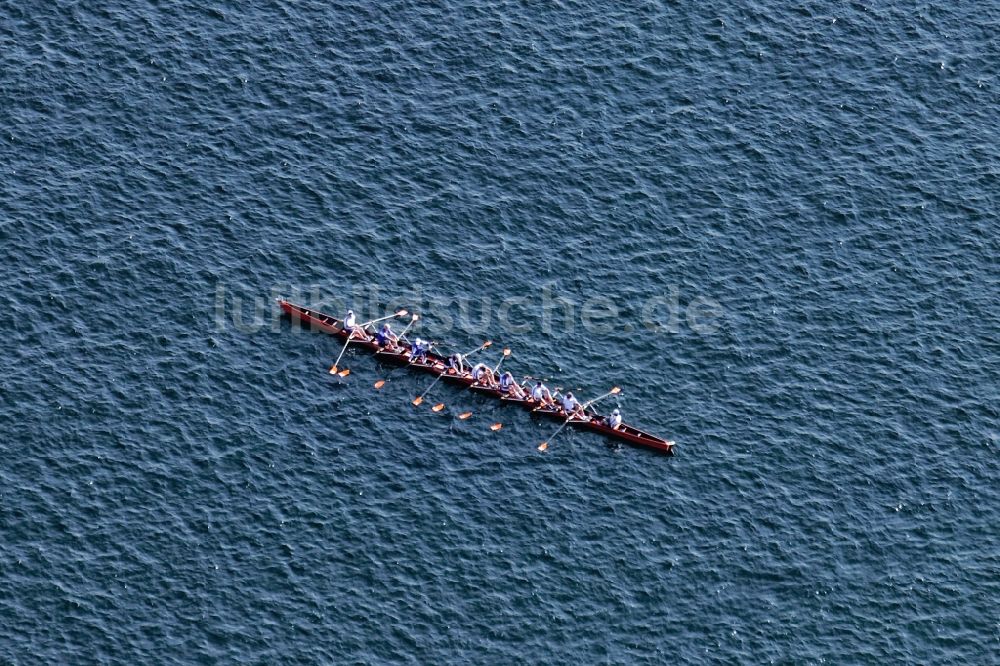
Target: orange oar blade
464,415
380,383
333,370
344,372
438,407
496,426
416,401
543,446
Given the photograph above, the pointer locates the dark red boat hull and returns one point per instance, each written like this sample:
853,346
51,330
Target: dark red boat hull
437,365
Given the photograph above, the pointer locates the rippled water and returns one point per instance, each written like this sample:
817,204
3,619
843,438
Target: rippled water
181,484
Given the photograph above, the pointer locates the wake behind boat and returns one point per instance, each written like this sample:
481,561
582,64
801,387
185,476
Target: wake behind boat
398,350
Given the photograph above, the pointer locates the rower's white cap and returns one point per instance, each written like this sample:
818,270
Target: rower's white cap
616,412
569,394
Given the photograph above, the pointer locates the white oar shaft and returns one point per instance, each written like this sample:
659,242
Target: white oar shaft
430,387
544,445
497,368
600,397
373,321
470,353
403,334
337,362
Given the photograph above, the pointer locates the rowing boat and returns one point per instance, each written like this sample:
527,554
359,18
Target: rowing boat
437,365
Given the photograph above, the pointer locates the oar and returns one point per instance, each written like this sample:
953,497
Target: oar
506,353
398,313
420,398
465,415
333,370
544,380
478,349
544,445
615,391
350,337
438,407
380,383
413,320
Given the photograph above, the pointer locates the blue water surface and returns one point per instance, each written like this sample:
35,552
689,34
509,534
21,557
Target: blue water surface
793,207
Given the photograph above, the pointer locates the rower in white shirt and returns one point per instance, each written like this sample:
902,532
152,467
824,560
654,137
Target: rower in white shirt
572,407
351,326
456,364
541,394
509,387
482,374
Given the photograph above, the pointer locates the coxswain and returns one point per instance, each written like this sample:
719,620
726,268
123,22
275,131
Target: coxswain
540,394
509,387
483,375
385,337
456,364
615,420
572,407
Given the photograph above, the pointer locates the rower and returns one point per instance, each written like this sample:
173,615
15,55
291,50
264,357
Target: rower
351,326
385,337
572,407
615,420
419,350
483,375
540,394
456,364
509,387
